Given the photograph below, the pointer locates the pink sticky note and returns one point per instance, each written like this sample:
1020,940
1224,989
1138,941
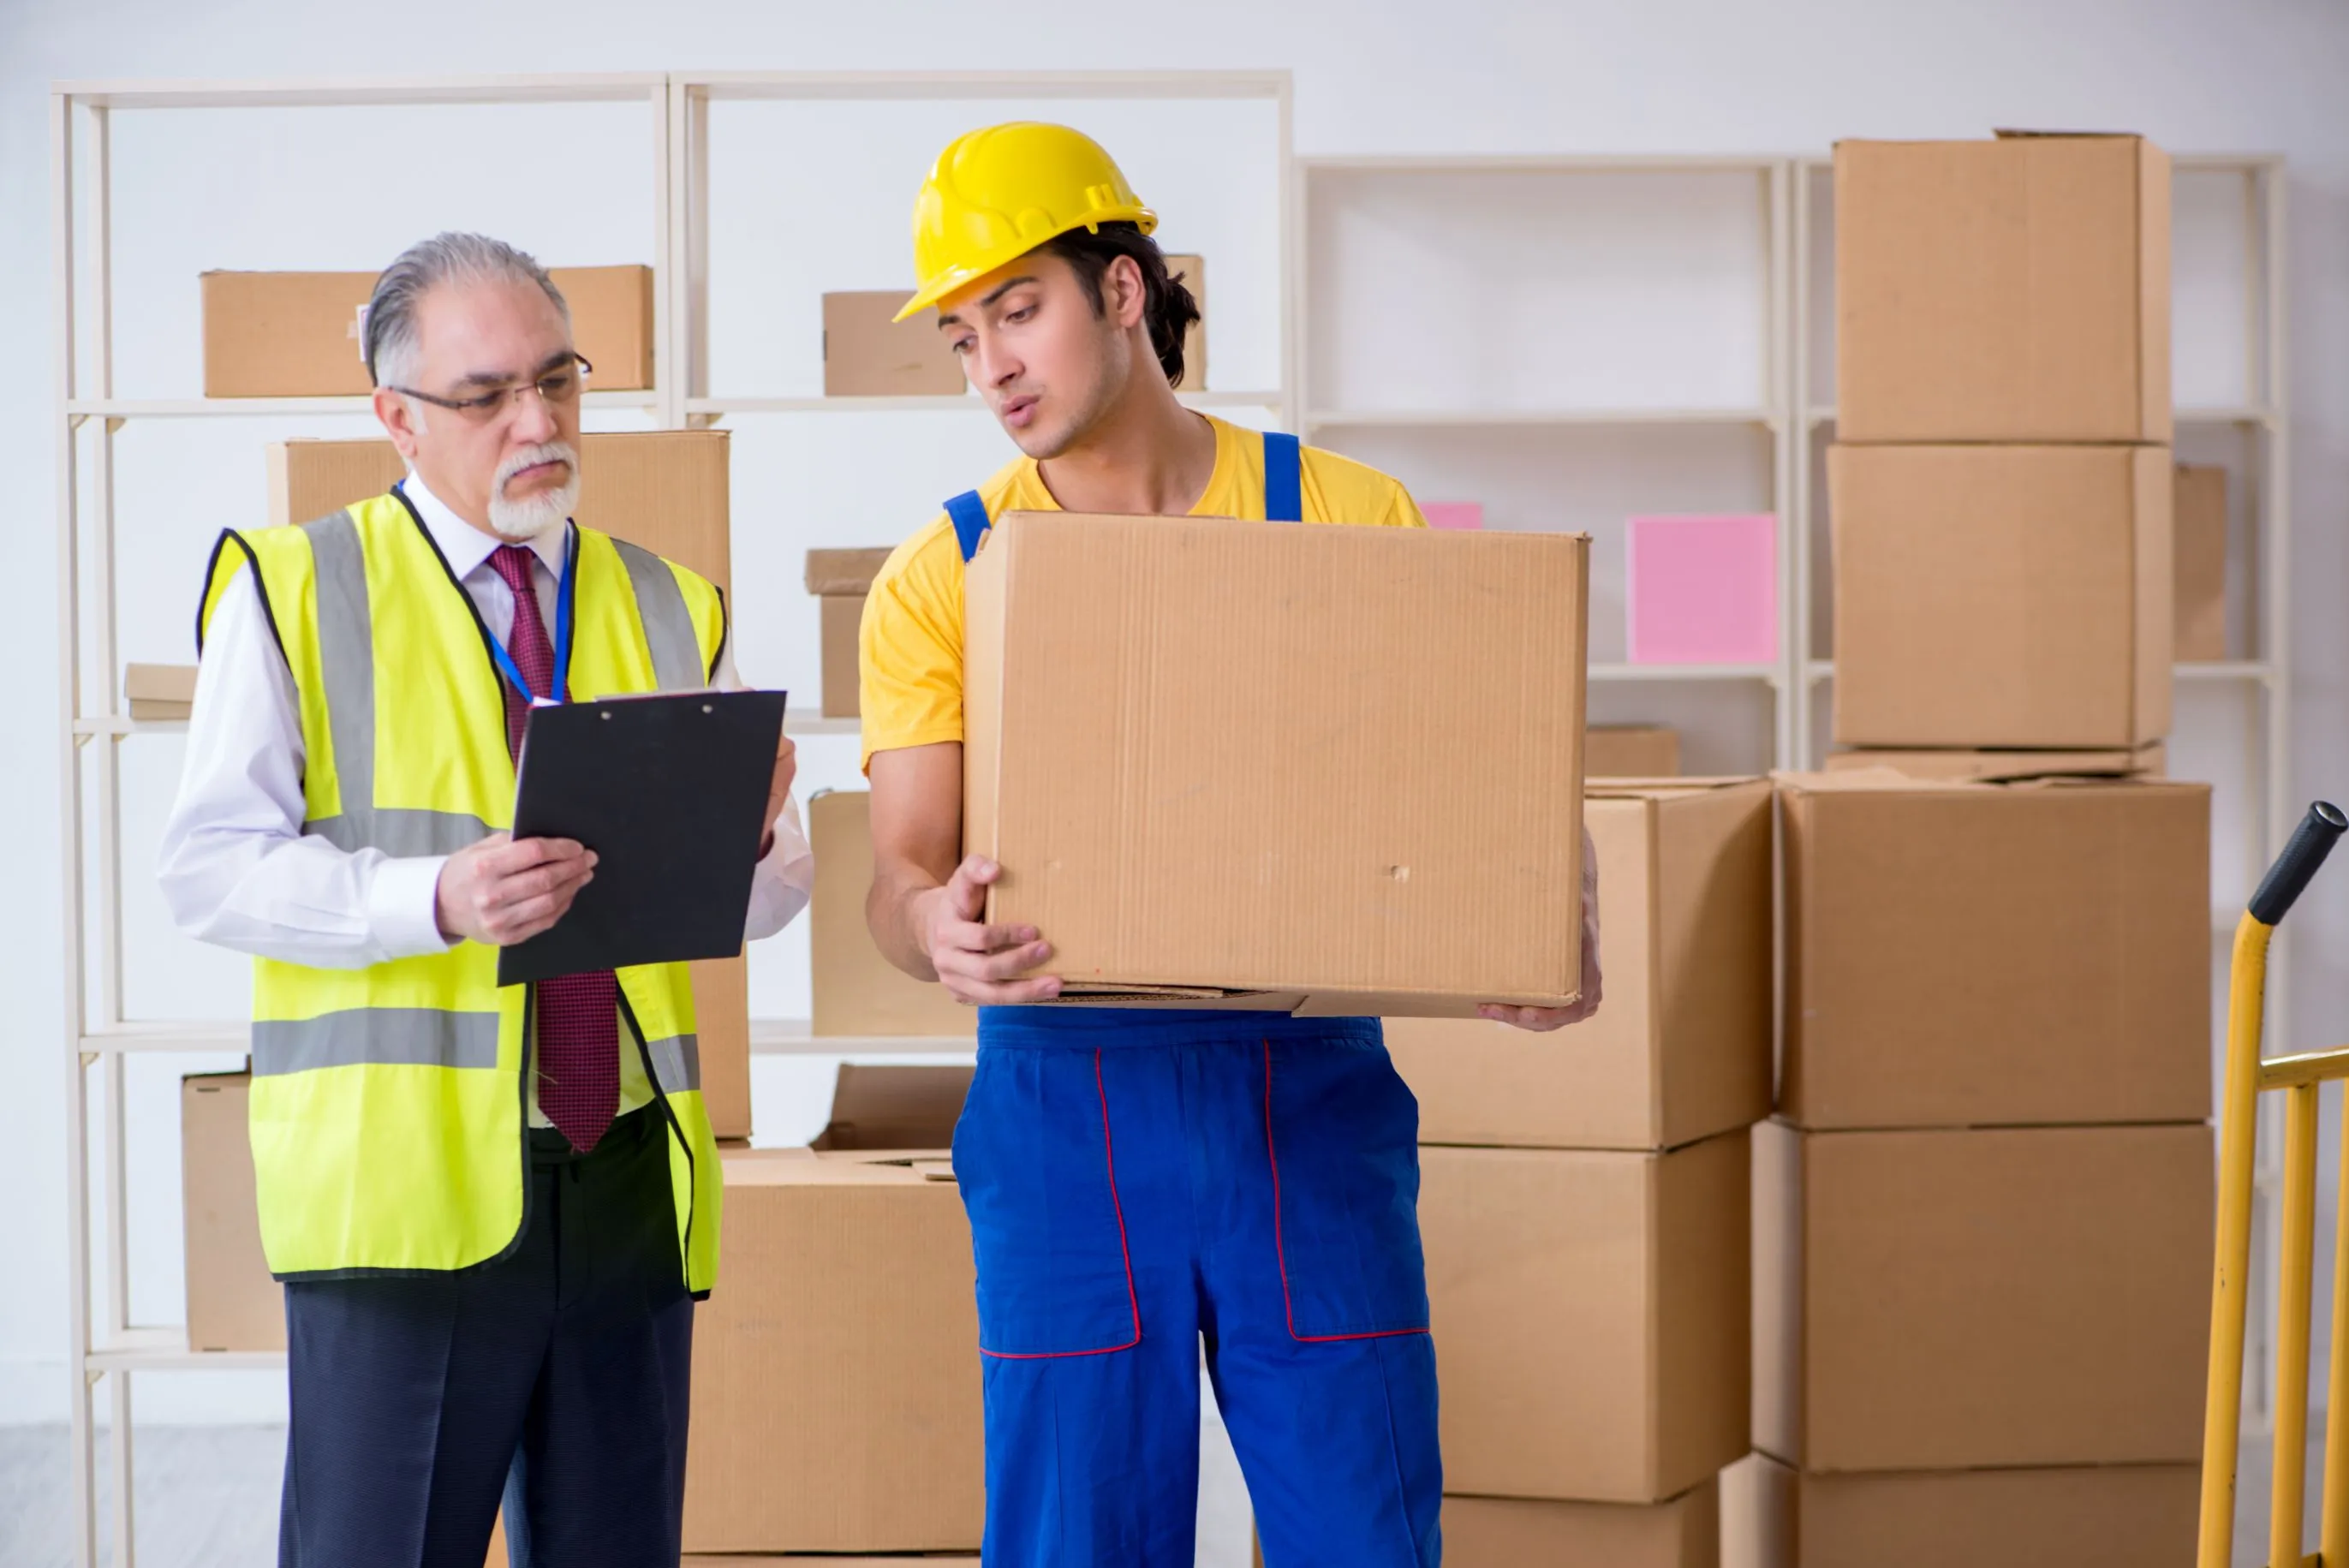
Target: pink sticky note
1453,514
1702,590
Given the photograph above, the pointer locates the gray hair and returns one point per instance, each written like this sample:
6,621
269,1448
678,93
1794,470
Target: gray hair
391,333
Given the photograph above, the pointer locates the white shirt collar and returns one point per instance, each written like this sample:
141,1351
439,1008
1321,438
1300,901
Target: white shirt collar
467,548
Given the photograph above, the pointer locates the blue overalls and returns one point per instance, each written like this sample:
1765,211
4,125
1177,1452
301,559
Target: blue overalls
1137,1180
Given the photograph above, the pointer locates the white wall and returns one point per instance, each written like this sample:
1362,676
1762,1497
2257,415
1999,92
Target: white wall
1481,75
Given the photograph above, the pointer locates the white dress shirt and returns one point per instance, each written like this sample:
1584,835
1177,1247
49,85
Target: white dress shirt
236,869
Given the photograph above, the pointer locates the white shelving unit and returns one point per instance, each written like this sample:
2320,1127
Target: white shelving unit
2259,426
1720,227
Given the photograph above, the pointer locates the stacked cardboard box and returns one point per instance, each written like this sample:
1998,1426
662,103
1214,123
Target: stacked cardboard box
1584,1206
1983,1216
840,579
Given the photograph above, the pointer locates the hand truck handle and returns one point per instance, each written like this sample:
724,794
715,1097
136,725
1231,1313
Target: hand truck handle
2289,877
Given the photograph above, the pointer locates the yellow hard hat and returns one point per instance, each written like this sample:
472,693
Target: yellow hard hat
997,195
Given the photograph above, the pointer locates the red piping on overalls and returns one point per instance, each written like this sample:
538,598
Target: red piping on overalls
1109,1153
1281,1251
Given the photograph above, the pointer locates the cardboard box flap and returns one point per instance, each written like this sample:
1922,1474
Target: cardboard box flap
2007,767
160,683
755,1168
1663,788
846,571
2010,134
895,1107
1856,780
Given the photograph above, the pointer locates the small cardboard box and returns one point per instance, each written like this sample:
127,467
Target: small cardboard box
1513,1533
2015,290
1631,751
1680,1049
1590,1314
895,1106
835,1370
2150,760
1971,954
2001,596
2142,1515
857,990
297,334
840,579
1982,1298
158,694
1208,776
233,1302
868,355
664,489
2200,513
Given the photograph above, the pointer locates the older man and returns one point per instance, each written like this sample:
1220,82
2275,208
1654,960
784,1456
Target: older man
492,1207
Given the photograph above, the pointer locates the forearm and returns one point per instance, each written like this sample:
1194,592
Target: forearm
896,912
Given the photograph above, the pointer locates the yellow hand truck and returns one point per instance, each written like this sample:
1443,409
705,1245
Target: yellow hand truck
2248,1074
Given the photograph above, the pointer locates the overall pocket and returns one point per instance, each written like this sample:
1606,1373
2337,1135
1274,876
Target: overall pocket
1341,1140
1035,1156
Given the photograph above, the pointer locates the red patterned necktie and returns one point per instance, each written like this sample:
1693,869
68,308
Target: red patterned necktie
578,1015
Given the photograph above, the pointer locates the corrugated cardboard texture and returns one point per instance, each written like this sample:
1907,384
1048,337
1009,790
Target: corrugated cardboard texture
895,1107
1999,596
1630,751
2015,290
1199,750
867,354
296,335
2141,1515
664,489
1681,1048
836,1383
1507,1532
842,618
857,990
1980,1299
233,1303
2150,760
1971,954
2199,557
1590,1318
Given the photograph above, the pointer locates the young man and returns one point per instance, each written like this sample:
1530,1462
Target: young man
491,1206
1139,1179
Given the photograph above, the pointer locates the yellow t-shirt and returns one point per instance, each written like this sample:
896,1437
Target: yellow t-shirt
910,643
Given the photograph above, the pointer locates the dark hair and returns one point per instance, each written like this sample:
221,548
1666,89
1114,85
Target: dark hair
1167,308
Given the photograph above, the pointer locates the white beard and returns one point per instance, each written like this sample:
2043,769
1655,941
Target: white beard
524,520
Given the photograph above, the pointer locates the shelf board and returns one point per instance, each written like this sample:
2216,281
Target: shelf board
1665,672
2216,413
942,403
166,1350
1442,419
182,1036
795,1038
277,407
2253,670
1542,164
327,92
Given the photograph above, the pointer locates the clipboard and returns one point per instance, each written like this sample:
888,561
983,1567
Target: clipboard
670,792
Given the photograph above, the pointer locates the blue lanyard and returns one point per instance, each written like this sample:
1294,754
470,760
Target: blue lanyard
561,637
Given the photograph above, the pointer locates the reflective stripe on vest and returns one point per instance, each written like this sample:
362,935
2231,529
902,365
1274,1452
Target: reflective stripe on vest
387,1105
1284,495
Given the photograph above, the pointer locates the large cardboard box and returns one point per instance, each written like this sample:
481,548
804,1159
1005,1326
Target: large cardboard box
1631,751
1680,1049
2141,1515
2199,525
856,991
2150,760
840,579
1590,1318
1513,1533
297,334
895,1106
2015,290
664,489
836,1368
2001,596
233,1302
866,353
1210,772
1995,954
1980,1299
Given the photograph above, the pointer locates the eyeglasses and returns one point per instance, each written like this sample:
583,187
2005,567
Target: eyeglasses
560,386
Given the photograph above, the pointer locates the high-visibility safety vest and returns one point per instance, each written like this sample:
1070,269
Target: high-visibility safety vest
388,1123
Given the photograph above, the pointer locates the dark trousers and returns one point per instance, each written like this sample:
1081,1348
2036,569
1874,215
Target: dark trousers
554,1381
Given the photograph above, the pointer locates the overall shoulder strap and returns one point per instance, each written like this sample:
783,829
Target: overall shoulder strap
1284,480
968,514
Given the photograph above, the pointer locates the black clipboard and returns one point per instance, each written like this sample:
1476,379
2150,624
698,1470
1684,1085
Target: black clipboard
670,793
